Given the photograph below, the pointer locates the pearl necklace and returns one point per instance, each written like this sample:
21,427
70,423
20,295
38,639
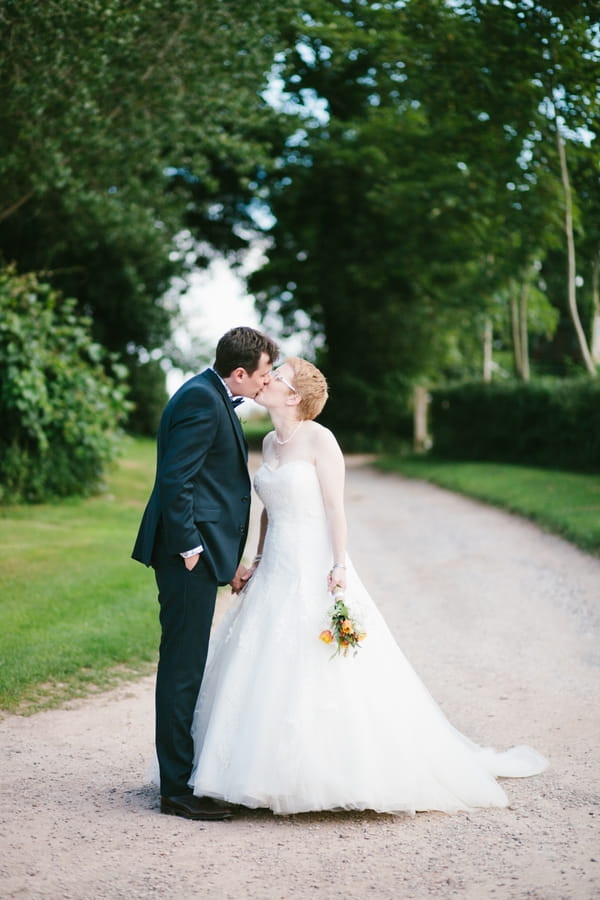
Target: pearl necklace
291,435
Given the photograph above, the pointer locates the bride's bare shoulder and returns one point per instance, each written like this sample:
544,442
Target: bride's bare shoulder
322,436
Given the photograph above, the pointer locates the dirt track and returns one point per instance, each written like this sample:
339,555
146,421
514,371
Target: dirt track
502,623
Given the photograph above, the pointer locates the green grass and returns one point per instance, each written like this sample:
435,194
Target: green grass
76,613
564,503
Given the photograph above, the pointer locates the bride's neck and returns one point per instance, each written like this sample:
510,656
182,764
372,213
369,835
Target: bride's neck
285,424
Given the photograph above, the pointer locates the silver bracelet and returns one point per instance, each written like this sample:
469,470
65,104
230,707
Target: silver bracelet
338,566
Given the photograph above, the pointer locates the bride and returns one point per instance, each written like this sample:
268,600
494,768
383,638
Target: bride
282,721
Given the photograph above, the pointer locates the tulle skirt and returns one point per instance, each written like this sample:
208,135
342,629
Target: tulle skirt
280,724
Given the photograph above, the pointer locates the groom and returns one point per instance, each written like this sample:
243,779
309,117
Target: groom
193,533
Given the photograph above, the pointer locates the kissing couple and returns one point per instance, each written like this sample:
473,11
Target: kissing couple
262,714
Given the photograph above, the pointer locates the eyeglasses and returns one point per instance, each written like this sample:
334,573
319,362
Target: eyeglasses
280,377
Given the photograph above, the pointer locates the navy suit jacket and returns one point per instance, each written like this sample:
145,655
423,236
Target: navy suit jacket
201,494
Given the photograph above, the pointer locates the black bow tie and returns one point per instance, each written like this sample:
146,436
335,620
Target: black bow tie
235,401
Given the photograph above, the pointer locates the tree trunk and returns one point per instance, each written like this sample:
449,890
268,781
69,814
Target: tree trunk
518,308
523,331
596,307
487,351
516,331
583,344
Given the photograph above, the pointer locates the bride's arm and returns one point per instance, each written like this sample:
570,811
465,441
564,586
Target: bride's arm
267,451
249,572
329,463
264,524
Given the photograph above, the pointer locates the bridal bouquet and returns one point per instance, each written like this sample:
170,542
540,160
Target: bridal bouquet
343,630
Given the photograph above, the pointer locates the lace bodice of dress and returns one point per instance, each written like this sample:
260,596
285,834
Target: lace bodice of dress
297,548
291,491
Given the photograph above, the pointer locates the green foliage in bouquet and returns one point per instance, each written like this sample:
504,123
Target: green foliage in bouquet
343,630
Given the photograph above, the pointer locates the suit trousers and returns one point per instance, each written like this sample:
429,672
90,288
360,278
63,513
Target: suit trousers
187,605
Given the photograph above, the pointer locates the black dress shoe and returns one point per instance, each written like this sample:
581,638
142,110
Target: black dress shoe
191,807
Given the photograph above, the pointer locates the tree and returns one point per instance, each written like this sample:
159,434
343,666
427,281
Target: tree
104,102
100,95
571,104
396,213
584,173
382,209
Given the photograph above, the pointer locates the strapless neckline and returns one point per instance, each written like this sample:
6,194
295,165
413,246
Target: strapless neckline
292,462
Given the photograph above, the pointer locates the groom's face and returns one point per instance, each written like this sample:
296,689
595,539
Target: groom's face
251,385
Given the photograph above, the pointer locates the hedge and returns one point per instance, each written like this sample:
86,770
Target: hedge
60,409
547,422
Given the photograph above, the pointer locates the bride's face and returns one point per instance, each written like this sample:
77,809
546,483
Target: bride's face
279,389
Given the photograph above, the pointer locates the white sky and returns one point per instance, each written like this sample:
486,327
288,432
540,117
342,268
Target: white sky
216,301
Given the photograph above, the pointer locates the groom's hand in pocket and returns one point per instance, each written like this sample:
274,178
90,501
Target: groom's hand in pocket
191,561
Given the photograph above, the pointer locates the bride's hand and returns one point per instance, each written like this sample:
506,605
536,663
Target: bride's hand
336,580
240,579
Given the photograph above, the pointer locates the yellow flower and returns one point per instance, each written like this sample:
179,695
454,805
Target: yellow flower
343,630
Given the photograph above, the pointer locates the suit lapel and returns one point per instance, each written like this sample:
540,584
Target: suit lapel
237,426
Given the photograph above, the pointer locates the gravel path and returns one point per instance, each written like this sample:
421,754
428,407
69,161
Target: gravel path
500,620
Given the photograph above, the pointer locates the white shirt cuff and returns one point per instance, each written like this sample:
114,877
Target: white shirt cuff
193,552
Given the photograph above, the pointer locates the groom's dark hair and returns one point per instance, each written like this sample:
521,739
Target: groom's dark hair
243,347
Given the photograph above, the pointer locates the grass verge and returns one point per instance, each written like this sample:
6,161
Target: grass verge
564,503
76,613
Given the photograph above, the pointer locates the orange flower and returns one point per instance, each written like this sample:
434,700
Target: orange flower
343,630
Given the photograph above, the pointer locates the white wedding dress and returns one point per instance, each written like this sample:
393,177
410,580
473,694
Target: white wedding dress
280,724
